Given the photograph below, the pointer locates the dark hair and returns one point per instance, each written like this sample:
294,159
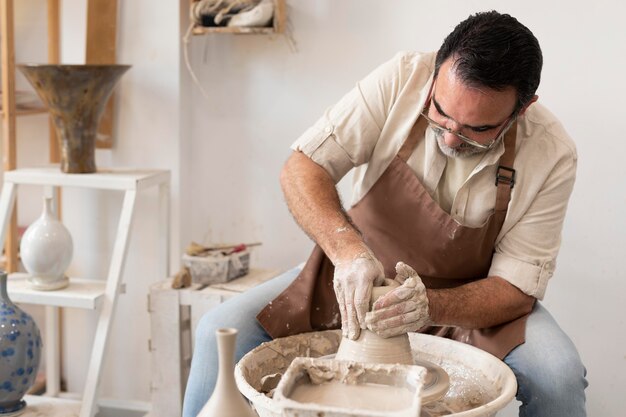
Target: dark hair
496,51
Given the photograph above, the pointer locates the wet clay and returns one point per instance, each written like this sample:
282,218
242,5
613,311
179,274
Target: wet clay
374,397
371,348
314,386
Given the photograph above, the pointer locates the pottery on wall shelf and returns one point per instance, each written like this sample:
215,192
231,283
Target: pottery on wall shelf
226,400
76,96
46,250
20,350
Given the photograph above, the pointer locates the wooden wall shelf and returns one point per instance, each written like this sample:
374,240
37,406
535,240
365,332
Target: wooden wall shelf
27,111
278,26
203,30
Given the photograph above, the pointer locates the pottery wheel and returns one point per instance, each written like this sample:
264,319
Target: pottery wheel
436,382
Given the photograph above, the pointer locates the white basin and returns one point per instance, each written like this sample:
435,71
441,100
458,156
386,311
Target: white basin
480,383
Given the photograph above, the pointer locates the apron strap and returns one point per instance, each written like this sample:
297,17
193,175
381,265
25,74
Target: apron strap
416,133
505,175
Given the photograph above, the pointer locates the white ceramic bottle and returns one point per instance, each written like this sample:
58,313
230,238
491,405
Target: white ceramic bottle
46,251
226,400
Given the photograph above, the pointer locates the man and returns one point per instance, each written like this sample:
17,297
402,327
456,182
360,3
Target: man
461,184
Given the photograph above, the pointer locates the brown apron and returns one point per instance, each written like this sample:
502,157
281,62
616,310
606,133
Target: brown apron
400,221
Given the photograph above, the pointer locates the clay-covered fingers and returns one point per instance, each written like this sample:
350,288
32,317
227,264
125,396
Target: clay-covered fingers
406,322
392,311
339,294
362,296
404,271
354,328
398,318
403,309
348,309
352,281
398,295
356,305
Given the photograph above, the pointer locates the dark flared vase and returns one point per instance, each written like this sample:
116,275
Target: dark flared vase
76,96
20,350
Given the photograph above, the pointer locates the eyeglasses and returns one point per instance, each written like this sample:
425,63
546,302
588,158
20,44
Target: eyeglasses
440,129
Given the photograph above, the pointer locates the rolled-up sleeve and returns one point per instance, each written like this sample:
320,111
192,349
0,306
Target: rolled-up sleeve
526,255
529,276
345,136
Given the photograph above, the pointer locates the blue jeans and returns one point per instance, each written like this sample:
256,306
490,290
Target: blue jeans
550,375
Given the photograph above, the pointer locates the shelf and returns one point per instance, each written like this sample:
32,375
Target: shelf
81,293
251,279
27,111
39,406
278,24
255,277
204,30
107,179
26,103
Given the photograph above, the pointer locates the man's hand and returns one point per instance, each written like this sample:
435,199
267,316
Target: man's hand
404,309
353,281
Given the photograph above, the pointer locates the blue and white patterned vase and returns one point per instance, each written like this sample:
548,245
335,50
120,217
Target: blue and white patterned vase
20,350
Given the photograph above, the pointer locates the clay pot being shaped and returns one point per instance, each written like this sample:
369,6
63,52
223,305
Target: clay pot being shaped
20,350
226,400
46,251
76,96
371,348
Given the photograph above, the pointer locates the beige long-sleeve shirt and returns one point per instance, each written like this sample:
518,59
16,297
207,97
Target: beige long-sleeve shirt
366,128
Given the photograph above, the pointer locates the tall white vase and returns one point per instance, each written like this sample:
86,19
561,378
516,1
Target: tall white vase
226,400
46,251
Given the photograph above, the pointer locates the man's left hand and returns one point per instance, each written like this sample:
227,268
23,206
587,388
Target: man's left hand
404,309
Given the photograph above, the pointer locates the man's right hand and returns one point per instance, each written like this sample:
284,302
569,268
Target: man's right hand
353,282
314,202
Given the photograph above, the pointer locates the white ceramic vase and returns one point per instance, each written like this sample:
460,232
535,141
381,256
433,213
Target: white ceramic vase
46,251
226,400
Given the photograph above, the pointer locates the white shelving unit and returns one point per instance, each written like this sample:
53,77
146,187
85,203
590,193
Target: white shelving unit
81,293
84,293
38,406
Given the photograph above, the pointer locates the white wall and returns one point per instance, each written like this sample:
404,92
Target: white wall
229,149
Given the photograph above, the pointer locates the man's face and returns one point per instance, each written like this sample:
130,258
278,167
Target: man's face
478,113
